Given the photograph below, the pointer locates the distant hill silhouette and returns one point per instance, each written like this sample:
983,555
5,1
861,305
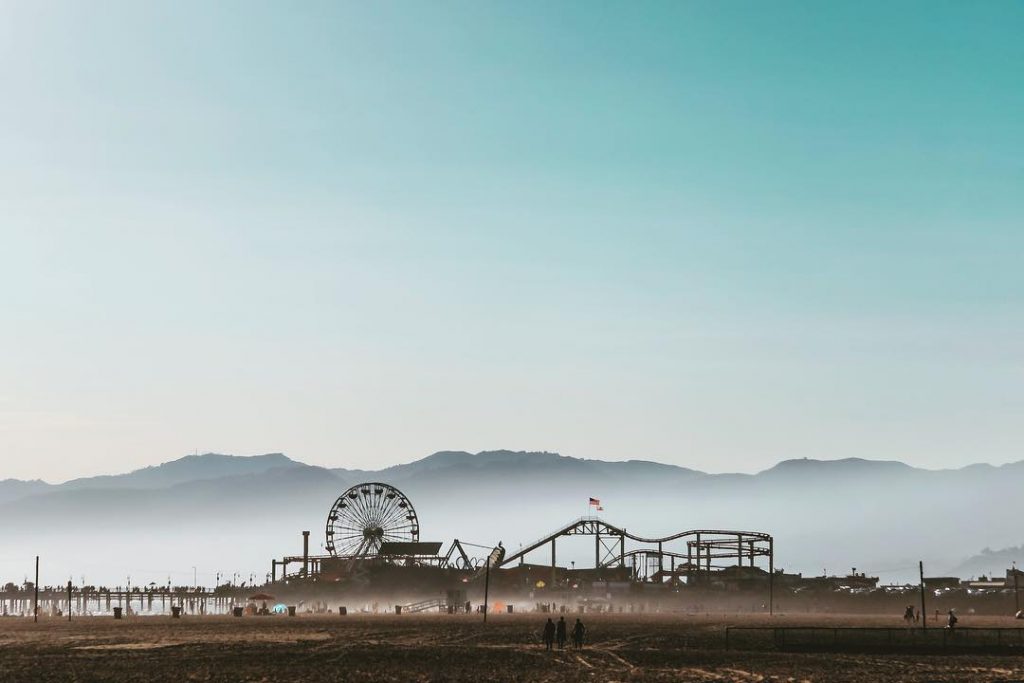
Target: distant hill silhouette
513,466
227,511
13,489
183,470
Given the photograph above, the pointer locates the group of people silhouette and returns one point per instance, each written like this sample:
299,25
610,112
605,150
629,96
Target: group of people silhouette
557,633
912,616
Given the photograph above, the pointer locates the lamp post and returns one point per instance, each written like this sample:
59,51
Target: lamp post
487,585
1016,594
924,613
35,600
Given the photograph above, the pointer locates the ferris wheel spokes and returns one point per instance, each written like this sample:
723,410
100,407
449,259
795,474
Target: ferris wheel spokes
367,515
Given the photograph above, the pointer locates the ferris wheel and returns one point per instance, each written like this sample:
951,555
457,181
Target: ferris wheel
368,515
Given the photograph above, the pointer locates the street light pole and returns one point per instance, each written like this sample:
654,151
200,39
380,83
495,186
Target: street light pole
1016,594
924,614
35,600
487,585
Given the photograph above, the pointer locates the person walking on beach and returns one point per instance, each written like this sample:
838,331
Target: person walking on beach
560,633
577,634
549,634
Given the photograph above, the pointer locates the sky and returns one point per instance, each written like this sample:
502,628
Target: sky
715,234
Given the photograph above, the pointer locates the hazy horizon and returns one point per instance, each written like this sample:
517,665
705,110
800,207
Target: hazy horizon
717,235
166,521
409,461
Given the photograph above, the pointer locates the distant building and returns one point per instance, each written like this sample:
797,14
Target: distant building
984,582
850,581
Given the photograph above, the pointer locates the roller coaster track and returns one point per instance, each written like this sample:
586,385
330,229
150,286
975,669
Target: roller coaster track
593,526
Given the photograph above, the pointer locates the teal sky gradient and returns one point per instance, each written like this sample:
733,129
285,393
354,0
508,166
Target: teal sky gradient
716,234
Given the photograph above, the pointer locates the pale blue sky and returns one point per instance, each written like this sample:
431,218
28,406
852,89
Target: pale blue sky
716,234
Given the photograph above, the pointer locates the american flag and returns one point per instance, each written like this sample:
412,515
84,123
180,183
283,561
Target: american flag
595,502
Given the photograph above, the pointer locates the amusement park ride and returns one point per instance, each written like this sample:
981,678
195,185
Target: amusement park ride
373,525
373,529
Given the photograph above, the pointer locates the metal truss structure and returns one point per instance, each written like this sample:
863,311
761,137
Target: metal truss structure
374,524
692,554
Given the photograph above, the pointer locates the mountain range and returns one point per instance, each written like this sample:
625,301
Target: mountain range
226,514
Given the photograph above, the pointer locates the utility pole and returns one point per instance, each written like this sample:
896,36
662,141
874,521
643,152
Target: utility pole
924,614
305,554
1016,594
35,601
69,599
487,585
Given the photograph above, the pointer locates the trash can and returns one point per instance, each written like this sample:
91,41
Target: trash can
398,609
176,612
291,610
118,611
237,611
343,610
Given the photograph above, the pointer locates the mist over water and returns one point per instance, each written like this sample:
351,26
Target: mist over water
824,516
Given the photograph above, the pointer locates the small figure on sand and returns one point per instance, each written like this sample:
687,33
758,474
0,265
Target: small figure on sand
951,620
560,633
908,614
549,634
578,632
